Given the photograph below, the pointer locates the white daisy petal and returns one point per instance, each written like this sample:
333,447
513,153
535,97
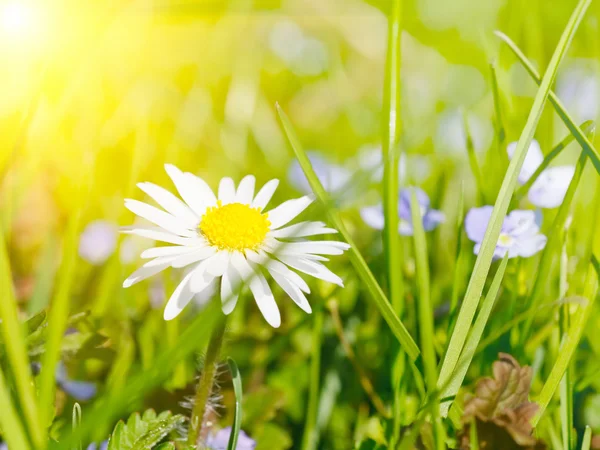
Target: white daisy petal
181,182
201,189
276,266
240,264
264,299
302,229
245,190
219,263
309,247
158,217
231,285
265,194
158,234
288,211
312,268
201,279
190,258
176,250
226,191
170,203
142,273
180,298
292,290
160,261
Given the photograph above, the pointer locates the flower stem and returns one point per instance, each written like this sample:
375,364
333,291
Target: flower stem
197,431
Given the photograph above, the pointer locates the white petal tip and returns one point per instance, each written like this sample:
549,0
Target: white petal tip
169,315
127,283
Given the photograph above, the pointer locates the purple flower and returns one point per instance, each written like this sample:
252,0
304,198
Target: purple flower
220,439
550,188
79,390
101,446
374,217
519,236
333,177
98,241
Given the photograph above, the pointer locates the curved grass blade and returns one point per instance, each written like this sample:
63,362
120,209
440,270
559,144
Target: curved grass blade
473,163
426,325
310,438
391,158
10,424
586,443
474,338
364,273
237,415
16,349
484,259
499,123
580,136
586,126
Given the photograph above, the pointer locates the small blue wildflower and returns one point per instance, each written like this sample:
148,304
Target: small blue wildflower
220,439
79,390
98,241
374,217
550,188
101,446
333,177
519,236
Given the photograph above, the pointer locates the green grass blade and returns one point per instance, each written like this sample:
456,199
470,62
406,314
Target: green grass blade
586,443
484,259
16,350
568,346
359,263
391,159
580,136
499,123
474,338
586,126
10,424
237,415
553,245
310,438
459,258
426,324
57,319
473,163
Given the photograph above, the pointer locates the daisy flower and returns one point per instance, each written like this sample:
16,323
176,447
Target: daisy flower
230,237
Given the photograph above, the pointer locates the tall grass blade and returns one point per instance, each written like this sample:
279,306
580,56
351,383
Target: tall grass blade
11,426
16,350
474,338
391,158
586,443
364,273
310,438
580,136
237,414
484,259
569,345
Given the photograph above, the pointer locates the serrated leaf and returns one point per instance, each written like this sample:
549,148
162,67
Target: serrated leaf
145,431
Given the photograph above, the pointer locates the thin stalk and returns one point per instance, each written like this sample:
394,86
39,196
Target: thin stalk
473,163
391,158
360,371
197,432
566,384
310,438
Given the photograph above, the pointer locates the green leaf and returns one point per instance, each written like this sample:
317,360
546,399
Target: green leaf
237,416
486,253
357,260
143,432
165,446
10,422
586,443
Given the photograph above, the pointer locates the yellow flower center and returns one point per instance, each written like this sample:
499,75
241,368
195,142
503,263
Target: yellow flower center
234,226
